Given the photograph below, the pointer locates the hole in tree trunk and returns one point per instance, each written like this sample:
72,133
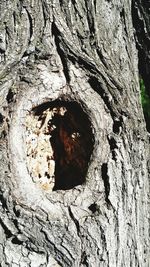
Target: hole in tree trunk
59,143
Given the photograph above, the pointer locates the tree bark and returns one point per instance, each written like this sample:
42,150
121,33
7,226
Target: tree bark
83,52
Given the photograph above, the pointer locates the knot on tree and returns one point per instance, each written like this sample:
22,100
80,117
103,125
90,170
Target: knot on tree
59,143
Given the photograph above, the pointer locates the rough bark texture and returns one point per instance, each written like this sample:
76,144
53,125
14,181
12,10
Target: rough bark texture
81,51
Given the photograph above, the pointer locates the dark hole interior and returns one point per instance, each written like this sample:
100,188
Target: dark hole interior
72,142
93,207
10,96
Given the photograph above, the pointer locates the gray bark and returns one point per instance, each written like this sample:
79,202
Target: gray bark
81,51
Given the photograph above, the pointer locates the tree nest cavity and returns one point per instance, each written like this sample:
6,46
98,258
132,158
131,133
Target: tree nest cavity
59,143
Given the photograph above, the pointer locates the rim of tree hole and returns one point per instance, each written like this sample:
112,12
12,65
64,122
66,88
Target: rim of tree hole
62,143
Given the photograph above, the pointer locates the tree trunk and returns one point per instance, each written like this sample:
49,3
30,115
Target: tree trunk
76,63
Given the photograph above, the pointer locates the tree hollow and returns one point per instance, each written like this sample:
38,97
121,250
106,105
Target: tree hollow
59,143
